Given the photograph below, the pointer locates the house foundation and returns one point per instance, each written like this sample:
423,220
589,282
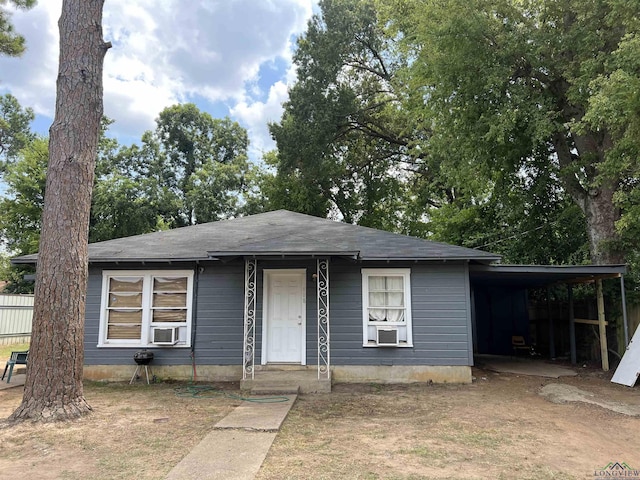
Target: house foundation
339,374
400,374
205,373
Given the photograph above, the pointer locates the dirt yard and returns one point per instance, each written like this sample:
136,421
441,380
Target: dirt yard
500,427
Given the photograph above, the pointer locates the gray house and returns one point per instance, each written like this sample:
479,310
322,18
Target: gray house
247,298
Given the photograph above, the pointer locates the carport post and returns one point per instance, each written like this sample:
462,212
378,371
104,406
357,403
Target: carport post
552,340
625,322
572,326
604,352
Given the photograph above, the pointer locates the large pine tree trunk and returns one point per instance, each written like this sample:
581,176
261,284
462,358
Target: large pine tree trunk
53,388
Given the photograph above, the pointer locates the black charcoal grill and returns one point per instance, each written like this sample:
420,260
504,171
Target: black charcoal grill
142,358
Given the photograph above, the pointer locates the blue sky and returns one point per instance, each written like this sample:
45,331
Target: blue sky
229,57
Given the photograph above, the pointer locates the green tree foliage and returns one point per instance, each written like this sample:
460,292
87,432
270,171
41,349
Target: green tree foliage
358,138
504,83
191,169
342,144
11,43
15,131
201,160
21,211
615,106
15,276
129,196
21,208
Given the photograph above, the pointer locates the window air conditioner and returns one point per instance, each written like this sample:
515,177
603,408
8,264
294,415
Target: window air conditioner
387,336
165,335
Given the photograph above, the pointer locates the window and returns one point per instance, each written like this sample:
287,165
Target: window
137,304
386,303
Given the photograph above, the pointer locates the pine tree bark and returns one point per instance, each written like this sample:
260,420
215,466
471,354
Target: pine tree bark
53,386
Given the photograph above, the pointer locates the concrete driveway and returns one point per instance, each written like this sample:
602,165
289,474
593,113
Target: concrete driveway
523,366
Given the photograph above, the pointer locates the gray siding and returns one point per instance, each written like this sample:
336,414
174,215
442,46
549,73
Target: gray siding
440,310
220,315
219,320
440,307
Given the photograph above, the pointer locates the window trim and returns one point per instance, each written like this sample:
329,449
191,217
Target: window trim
147,309
407,323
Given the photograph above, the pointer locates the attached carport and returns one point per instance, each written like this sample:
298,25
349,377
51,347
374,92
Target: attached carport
500,303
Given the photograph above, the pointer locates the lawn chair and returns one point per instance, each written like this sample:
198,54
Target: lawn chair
17,358
519,343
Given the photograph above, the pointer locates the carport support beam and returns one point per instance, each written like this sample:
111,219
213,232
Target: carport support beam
552,339
604,353
625,322
572,326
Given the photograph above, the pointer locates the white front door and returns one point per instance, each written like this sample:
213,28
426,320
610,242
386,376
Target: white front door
284,318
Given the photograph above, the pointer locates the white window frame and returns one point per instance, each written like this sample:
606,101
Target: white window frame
147,296
405,328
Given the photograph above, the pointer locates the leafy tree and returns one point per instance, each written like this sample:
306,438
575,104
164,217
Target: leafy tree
135,188
355,140
615,106
21,208
121,208
15,276
191,169
15,131
258,181
118,208
11,43
129,196
503,82
343,145
53,386
199,164
21,211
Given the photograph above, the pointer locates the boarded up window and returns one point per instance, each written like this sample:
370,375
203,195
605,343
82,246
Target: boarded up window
134,303
169,299
124,308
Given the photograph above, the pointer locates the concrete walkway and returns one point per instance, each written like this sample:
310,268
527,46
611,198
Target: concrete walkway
17,380
523,366
238,445
559,393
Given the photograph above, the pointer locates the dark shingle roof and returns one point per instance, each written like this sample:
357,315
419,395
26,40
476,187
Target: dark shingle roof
274,233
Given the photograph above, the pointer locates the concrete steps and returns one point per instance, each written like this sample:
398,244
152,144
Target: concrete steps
283,380
275,389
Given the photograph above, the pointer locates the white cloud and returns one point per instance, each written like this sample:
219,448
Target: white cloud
32,77
255,116
168,51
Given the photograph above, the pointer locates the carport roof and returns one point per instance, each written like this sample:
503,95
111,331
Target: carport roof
533,276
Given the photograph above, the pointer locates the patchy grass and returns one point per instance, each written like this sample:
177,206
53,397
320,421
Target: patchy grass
498,428
5,350
134,431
